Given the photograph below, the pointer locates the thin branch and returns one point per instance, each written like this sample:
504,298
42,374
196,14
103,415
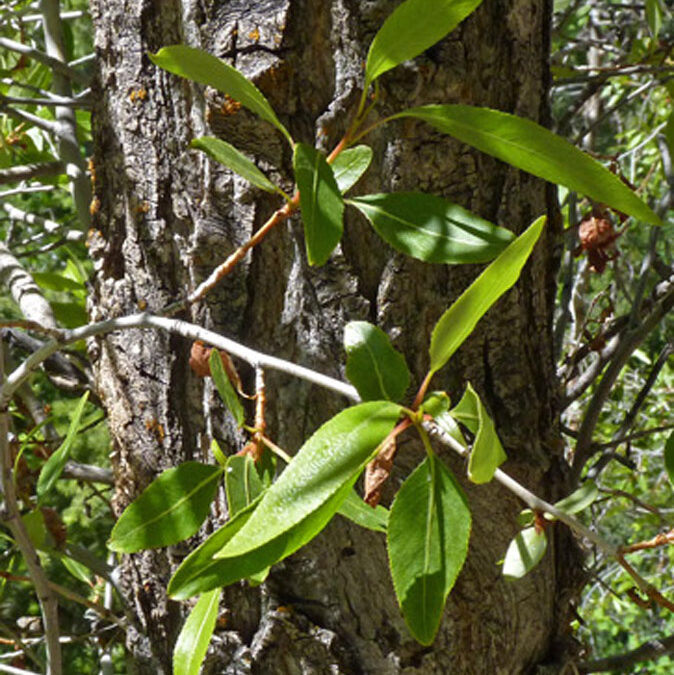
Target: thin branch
648,651
632,437
57,65
628,342
14,174
83,102
12,518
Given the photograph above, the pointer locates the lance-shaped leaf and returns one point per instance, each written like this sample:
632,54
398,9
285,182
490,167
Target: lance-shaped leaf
321,203
524,552
578,500
414,26
224,387
204,570
432,229
350,165
204,68
169,510
235,160
532,148
242,483
192,643
487,453
333,457
373,366
427,535
357,511
54,466
669,456
458,322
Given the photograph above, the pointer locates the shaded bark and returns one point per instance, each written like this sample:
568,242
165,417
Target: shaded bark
167,216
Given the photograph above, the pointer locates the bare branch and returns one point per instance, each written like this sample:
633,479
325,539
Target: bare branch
14,174
57,65
24,290
648,651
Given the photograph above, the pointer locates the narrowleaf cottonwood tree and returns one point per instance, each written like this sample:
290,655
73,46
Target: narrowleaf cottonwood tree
165,216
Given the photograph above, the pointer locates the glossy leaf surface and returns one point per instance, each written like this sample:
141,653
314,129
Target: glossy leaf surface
432,229
458,322
357,511
350,165
333,457
192,643
170,509
242,483
524,552
413,27
373,366
530,147
321,203
487,453
427,536
204,68
235,160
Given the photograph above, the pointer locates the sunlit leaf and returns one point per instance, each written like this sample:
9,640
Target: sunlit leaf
373,366
357,511
235,160
524,552
350,165
580,499
432,229
204,68
321,203
427,535
192,643
458,322
413,27
334,456
530,147
169,510
487,453
242,483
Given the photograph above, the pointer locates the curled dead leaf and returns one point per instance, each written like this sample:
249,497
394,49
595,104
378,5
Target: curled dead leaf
378,471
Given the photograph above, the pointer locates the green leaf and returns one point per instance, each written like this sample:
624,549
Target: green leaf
224,387
333,457
427,536
530,147
204,68
70,314
524,552
654,16
487,453
196,573
321,203
448,424
436,403
54,466
350,165
192,643
205,571
373,366
235,160
413,27
169,510
357,511
669,457
57,282
458,322
220,457
432,229
242,483
578,500
77,569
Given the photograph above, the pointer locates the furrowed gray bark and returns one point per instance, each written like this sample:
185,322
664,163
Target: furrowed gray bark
167,216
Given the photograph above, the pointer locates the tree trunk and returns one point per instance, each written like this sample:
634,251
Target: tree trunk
166,216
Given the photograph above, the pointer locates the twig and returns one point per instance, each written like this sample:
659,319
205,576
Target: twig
14,174
12,518
648,651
